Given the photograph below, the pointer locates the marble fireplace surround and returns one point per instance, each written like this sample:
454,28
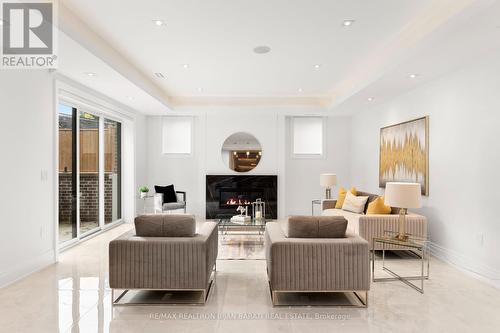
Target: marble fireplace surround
221,188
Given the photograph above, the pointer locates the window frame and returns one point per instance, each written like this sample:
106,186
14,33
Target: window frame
191,136
319,156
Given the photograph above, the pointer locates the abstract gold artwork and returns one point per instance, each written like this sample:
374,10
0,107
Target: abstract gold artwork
404,153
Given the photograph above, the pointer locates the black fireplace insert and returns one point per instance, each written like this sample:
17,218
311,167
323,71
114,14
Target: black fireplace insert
224,193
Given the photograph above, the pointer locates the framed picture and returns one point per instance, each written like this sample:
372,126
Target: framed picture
404,153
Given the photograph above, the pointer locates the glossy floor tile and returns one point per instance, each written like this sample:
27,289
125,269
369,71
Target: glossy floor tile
73,296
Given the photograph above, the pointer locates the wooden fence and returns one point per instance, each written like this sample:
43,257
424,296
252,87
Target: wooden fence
89,150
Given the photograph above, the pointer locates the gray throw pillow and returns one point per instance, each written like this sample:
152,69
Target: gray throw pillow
316,226
165,225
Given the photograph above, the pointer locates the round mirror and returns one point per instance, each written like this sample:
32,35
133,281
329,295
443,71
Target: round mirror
241,152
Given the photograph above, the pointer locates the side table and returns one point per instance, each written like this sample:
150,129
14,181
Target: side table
419,247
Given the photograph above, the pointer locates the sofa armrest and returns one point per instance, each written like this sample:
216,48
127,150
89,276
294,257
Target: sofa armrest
316,264
163,262
158,202
183,195
328,204
371,226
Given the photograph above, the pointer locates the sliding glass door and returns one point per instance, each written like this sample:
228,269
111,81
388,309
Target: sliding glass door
89,173
67,173
112,171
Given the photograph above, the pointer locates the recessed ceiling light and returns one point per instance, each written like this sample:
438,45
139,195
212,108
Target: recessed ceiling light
348,23
413,76
317,66
299,90
370,99
262,49
186,66
159,75
159,23
200,89
130,98
90,74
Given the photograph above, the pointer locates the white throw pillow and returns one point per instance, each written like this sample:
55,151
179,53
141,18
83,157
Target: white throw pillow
354,204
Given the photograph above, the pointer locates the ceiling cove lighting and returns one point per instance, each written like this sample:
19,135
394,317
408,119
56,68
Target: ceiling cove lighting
348,23
263,49
159,23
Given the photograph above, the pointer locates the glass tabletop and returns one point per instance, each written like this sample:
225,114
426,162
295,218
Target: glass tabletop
251,223
412,240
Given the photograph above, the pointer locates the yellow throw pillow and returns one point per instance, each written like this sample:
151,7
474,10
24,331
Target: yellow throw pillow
378,206
341,196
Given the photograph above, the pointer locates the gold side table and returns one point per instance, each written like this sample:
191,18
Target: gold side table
418,246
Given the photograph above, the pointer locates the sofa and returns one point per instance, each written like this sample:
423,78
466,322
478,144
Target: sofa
164,252
313,260
370,226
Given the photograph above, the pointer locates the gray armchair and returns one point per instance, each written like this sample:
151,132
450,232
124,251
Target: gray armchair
161,207
311,261
165,252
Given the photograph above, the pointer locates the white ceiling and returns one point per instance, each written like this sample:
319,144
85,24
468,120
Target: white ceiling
390,38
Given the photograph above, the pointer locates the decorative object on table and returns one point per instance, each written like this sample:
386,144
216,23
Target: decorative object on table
328,180
243,217
403,196
259,209
144,190
341,196
404,153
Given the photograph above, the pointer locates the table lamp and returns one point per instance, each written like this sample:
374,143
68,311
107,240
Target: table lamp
403,196
328,180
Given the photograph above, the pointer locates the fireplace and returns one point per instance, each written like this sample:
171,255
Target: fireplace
234,197
224,193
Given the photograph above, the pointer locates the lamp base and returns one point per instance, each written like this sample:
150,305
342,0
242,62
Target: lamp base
402,236
328,193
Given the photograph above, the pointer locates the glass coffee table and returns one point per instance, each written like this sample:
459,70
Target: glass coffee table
244,228
417,246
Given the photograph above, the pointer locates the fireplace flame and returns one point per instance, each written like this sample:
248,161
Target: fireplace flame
233,201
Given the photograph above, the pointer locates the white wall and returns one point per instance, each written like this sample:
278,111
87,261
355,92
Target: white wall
462,208
298,182
27,169
302,174
28,211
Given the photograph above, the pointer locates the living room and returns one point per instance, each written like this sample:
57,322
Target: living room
252,132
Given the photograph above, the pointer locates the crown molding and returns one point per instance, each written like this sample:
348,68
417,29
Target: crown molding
248,101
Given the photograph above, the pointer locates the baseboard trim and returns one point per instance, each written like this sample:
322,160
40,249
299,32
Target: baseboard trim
21,271
467,265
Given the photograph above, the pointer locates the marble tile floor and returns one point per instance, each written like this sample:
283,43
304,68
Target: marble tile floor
73,296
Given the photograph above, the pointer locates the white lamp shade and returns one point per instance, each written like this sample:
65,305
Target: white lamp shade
328,179
403,195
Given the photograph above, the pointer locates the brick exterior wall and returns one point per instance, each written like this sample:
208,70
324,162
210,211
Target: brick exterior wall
89,199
